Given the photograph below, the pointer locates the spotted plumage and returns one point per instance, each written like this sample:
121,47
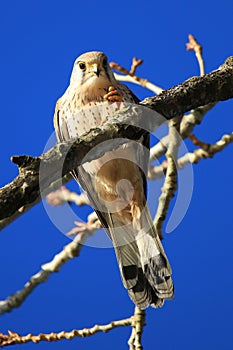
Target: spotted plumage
116,182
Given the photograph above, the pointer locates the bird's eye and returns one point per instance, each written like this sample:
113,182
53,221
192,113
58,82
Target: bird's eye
82,66
105,62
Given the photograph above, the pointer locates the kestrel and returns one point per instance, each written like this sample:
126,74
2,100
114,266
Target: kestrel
116,182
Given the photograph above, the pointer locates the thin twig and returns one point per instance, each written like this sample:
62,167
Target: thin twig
170,182
200,153
64,195
198,142
187,125
139,81
130,77
195,116
157,172
135,64
197,48
14,338
138,322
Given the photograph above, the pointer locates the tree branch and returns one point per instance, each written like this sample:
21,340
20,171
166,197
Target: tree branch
14,338
170,182
195,92
197,48
137,321
26,189
40,175
64,195
130,77
157,171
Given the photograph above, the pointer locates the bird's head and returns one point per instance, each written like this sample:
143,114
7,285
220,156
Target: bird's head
91,69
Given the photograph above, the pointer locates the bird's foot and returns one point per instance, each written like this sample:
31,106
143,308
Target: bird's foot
113,95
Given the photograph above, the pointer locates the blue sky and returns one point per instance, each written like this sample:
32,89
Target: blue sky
39,42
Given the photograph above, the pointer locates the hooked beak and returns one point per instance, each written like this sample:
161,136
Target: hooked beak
95,69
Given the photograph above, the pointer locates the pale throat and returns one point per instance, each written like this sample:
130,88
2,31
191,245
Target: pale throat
94,88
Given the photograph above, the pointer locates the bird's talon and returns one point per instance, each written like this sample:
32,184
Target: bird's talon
113,95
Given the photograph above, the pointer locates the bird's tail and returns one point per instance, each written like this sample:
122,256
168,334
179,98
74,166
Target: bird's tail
144,267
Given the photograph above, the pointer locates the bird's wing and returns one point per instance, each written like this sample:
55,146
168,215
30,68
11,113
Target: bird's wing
79,174
60,124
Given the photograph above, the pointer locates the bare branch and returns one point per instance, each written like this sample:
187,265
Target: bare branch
194,117
195,92
187,125
14,338
197,48
157,172
198,142
17,213
135,64
93,224
130,77
28,186
24,191
139,81
138,322
119,68
64,195
170,183
192,94
201,153
69,252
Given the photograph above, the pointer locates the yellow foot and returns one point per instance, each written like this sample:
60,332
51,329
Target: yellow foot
113,95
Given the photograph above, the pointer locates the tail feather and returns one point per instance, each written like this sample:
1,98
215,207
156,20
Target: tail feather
144,267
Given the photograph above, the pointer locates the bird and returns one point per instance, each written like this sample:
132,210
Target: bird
116,182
